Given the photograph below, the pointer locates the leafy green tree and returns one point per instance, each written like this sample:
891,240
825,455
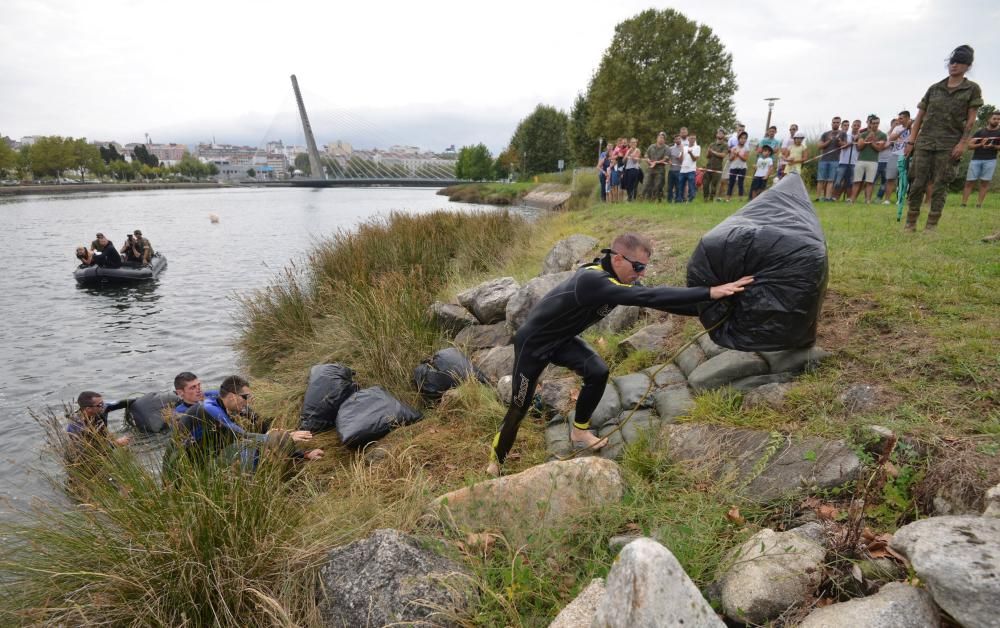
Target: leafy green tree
661,71
8,158
251,173
302,163
983,115
142,154
541,140
86,157
121,170
583,147
475,163
191,166
211,169
50,155
23,166
110,153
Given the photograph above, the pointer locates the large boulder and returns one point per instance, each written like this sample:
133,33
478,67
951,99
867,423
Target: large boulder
768,396
648,588
896,605
580,612
665,375
488,300
725,368
531,293
536,500
496,362
628,428
768,465
673,402
650,338
771,572
622,317
556,394
450,317
690,358
389,578
569,253
476,337
959,560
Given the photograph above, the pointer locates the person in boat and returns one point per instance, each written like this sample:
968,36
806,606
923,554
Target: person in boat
88,433
550,335
209,430
132,250
145,246
85,256
105,254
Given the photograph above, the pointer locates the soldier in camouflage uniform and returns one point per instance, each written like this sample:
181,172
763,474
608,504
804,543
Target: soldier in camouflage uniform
939,136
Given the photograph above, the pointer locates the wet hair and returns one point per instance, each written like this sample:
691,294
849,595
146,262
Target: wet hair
232,384
183,379
86,398
630,242
963,54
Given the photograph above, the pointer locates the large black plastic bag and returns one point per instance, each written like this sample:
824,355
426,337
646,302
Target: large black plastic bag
329,385
445,370
778,239
148,411
370,414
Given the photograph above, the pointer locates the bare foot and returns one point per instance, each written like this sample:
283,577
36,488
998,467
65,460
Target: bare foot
585,439
493,469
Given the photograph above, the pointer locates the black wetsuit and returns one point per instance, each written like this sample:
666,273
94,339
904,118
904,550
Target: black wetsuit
550,336
109,257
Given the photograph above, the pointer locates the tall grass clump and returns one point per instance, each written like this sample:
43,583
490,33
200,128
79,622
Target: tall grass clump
214,547
368,289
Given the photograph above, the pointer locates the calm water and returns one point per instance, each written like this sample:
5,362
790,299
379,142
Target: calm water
57,339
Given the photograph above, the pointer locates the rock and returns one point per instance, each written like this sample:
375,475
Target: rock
476,337
647,588
881,570
530,294
450,317
488,300
958,558
896,605
876,438
795,360
771,572
389,578
813,531
860,398
673,402
992,502
557,442
650,338
768,395
641,421
496,362
725,368
621,318
619,541
634,390
503,389
580,612
745,384
770,466
534,501
709,347
665,375
556,394
569,253
607,410
690,358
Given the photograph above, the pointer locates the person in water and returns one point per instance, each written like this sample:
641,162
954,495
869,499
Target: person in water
105,254
550,333
88,433
210,432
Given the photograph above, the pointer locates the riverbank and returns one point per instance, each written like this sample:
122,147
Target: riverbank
76,188
910,316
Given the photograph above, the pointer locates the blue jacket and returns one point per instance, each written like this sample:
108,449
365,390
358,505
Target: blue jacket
209,429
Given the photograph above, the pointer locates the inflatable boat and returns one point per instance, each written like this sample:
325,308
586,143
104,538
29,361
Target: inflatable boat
127,273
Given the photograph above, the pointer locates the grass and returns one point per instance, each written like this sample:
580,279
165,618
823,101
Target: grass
914,314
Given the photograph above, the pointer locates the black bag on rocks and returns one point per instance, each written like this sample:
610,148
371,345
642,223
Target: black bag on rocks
329,386
147,412
370,414
778,239
444,371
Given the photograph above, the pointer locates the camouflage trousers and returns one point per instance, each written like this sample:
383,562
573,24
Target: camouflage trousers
929,167
710,185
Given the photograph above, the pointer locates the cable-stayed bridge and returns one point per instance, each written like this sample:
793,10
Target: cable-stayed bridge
358,168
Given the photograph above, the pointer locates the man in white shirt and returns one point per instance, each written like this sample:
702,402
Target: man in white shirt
688,190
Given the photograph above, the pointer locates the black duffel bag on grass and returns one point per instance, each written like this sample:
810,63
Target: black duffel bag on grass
370,414
778,239
443,371
329,386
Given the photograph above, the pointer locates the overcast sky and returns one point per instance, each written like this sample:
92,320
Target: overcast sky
439,73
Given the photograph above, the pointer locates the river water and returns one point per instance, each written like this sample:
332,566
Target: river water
57,339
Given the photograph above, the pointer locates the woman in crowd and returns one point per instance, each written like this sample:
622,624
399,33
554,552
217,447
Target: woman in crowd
737,165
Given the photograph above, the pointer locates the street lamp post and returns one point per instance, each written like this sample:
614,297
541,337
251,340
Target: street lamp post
770,108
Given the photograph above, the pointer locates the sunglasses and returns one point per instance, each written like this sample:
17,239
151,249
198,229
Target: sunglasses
636,266
246,396
96,405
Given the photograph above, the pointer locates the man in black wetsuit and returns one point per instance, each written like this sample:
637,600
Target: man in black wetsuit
106,255
549,335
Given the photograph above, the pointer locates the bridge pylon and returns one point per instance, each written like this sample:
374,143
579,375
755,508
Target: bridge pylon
318,172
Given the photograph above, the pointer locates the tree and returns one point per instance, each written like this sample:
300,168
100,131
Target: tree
8,158
541,140
983,115
475,163
190,166
50,155
302,163
142,154
583,147
661,71
110,153
251,173
86,157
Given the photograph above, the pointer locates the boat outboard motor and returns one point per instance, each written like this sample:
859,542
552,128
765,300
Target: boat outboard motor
148,412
